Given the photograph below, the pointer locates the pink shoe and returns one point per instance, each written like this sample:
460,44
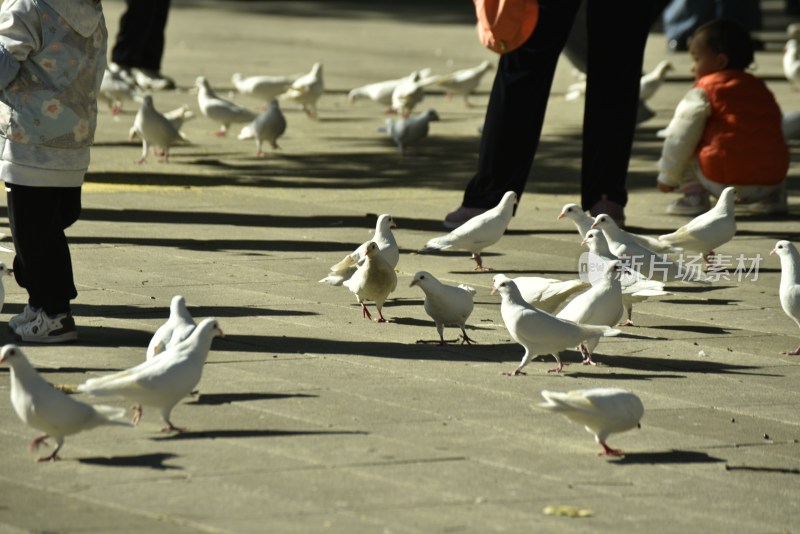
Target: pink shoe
456,218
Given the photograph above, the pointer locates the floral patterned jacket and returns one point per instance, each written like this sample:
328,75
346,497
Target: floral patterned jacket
52,57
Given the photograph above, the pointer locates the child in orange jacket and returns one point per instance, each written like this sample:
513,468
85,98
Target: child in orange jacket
726,131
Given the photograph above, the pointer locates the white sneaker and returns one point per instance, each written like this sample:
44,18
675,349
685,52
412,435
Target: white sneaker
27,315
44,329
690,204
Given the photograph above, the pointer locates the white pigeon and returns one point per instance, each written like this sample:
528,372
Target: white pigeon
538,331
635,286
379,92
603,411
307,90
178,327
789,291
116,89
41,406
7,272
176,117
646,261
155,130
791,64
163,381
546,294
264,88
447,305
479,232
463,81
583,223
267,126
218,109
708,230
600,304
408,131
373,280
409,93
650,82
386,242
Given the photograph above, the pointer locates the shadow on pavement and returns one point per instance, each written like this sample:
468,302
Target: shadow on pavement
666,457
151,461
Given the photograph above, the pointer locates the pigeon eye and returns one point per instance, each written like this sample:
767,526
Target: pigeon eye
422,278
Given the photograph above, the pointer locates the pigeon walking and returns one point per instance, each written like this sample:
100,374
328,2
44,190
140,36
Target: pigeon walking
264,88
791,64
163,381
539,332
155,130
4,271
464,81
409,93
447,305
708,230
267,126
373,280
635,286
222,111
602,411
643,259
789,291
650,82
40,405
600,304
116,89
478,233
546,294
408,131
383,237
379,92
307,90
583,223
178,327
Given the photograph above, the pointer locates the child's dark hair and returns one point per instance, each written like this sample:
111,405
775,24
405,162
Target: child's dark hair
727,37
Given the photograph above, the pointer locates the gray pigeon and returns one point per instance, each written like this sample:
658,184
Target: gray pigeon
163,381
446,305
405,132
41,406
268,126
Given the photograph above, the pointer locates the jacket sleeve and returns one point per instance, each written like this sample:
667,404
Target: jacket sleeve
683,134
20,36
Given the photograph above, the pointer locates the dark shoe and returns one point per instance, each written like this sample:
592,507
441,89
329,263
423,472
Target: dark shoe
610,208
150,80
456,218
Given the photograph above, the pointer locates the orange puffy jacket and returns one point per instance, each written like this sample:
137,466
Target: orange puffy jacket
742,143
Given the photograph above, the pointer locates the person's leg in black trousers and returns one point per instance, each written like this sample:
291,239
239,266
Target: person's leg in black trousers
517,106
614,69
38,217
139,45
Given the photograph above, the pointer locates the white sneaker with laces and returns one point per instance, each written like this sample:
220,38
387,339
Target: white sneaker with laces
28,314
45,329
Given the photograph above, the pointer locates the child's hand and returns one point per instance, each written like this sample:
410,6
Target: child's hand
664,188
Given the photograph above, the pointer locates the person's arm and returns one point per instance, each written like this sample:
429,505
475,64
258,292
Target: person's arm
683,134
20,35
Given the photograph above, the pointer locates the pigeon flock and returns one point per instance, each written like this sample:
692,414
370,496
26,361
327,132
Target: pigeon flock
545,316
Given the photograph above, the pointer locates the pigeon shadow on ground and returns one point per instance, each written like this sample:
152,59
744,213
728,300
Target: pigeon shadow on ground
639,363
619,376
410,321
310,346
151,461
162,311
756,469
99,336
216,399
692,302
696,328
666,457
683,288
253,433
262,246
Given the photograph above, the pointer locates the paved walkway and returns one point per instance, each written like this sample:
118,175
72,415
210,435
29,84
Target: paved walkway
311,419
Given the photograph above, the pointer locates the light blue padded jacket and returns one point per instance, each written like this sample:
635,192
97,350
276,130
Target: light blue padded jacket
52,57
